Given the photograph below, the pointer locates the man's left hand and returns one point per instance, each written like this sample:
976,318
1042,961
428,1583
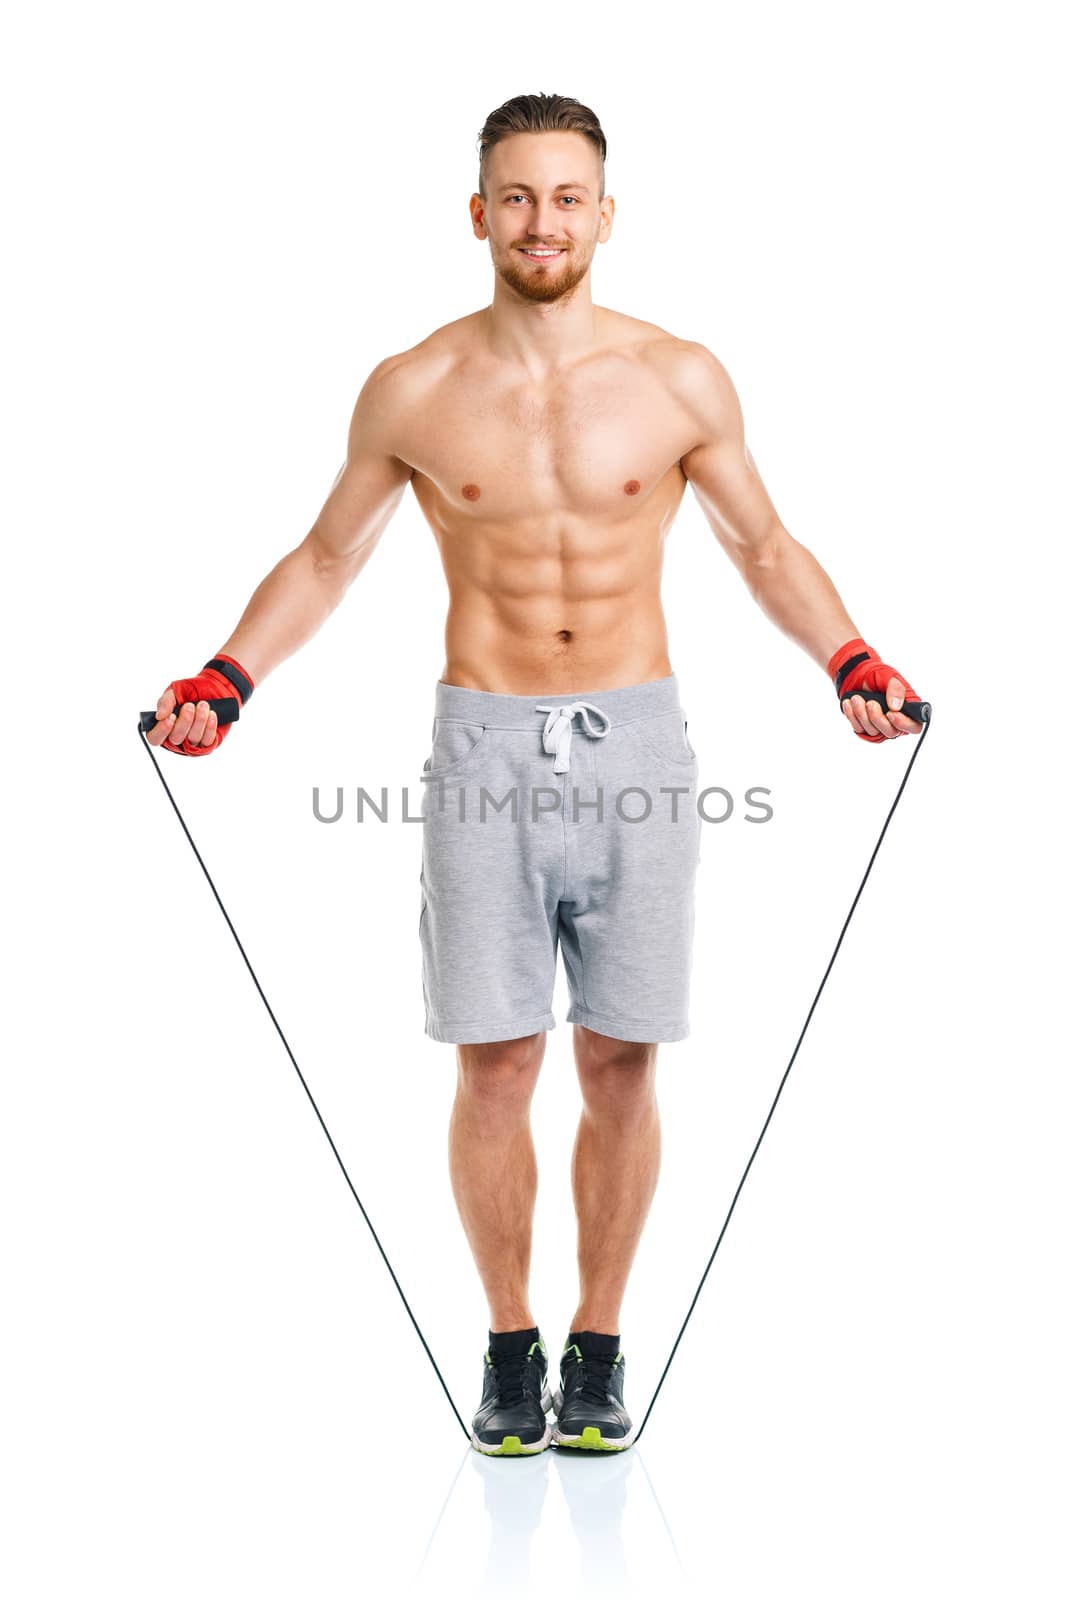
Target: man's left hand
855,665
868,719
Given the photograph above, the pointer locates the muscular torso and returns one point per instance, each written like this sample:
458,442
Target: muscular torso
550,503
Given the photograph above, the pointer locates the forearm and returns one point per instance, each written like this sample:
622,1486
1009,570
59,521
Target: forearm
288,608
795,593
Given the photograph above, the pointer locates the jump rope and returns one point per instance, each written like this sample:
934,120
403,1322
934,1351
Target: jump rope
228,711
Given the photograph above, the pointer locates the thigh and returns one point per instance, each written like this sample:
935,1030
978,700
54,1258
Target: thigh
627,929
490,878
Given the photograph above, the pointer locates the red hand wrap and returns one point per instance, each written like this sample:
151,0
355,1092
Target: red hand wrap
210,684
869,673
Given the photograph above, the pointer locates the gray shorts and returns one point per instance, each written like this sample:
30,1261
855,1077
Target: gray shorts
547,818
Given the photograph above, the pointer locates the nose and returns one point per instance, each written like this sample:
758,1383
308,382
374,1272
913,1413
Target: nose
547,225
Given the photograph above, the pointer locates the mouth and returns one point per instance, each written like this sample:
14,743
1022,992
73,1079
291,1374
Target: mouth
541,254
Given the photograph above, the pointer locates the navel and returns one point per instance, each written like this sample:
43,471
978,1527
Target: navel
470,491
563,635
632,487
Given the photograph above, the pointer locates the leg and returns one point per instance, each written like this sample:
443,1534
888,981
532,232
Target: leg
493,1171
615,1169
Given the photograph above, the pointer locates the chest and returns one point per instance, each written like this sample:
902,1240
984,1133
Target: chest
592,446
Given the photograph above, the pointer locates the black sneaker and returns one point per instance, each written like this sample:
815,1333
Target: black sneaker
511,1420
588,1406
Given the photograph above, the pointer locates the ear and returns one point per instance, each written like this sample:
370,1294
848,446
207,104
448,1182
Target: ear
477,207
606,214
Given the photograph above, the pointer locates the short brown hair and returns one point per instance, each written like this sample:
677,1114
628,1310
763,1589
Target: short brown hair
541,113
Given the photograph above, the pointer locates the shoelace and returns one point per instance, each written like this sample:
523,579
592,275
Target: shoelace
509,1375
594,1377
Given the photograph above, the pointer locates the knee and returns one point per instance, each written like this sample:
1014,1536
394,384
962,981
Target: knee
616,1076
501,1075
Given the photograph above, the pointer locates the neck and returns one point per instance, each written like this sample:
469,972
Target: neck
541,334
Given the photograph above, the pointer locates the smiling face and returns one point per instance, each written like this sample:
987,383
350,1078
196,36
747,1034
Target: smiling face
542,213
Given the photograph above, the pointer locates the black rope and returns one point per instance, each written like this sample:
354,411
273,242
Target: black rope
918,742
149,750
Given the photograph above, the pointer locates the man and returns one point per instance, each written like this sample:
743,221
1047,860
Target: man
549,442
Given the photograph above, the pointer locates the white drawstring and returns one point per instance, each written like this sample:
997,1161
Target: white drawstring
558,732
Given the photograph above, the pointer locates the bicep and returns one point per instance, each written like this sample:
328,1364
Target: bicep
369,486
721,470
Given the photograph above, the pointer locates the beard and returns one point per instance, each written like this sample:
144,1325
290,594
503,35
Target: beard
540,283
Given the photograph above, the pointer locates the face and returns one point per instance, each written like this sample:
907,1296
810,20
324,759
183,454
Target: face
542,197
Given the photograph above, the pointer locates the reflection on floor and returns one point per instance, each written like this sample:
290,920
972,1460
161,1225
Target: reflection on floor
514,1492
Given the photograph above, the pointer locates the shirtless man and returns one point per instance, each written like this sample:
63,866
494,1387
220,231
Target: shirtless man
549,442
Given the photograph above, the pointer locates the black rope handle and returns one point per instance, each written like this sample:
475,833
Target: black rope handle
227,711
916,710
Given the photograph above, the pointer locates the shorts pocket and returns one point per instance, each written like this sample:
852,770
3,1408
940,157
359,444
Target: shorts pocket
453,745
667,737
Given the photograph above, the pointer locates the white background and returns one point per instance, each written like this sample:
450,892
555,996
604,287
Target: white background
220,218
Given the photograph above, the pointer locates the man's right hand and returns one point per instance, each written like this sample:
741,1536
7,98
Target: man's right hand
185,724
196,725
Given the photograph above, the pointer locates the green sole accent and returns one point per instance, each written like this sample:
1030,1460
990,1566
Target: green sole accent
591,1439
510,1446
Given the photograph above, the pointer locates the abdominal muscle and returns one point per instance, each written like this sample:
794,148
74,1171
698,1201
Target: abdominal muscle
554,615
503,649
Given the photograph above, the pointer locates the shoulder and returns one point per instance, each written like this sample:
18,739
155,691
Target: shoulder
693,374
401,385
409,372
697,378
423,363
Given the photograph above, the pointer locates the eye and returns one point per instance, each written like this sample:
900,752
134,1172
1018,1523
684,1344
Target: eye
571,197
